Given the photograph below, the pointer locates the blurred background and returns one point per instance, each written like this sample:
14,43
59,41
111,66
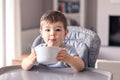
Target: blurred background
19,23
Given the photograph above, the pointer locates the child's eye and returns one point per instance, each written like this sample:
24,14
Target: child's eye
58,29
47,30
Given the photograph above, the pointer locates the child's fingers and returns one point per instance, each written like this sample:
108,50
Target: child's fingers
63,49
33,59
61,56
32,55
33,51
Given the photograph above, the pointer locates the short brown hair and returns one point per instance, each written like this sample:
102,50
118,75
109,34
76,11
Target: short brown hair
54,16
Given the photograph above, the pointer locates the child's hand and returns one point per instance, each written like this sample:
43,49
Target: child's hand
32,57
28,62
63,55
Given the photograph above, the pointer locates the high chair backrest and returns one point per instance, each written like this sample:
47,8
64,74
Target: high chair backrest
77,35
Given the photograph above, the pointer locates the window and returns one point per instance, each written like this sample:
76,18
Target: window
2,55
9,31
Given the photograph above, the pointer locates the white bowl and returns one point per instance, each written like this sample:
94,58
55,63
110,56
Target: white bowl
47,55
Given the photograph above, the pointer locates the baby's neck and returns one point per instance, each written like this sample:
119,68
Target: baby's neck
62,45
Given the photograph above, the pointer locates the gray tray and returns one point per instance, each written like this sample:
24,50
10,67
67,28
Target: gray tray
46,73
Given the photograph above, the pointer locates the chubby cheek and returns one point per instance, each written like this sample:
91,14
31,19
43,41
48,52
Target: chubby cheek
49,42
46,39
60,40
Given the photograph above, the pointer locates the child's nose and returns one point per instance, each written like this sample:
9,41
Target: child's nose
52,32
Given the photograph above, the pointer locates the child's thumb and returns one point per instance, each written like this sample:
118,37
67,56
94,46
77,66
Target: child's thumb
63,48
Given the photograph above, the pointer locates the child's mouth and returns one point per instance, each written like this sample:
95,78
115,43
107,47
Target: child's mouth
52,40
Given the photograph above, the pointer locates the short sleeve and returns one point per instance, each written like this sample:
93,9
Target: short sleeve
82,51
71,50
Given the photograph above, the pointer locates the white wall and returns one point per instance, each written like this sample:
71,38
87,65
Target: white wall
91,14
2,34
31,12
28,37
110,53
106,8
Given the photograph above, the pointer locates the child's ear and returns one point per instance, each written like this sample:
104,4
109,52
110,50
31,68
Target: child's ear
40,31
66,32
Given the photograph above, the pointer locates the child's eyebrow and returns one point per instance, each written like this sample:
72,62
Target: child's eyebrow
46,27
59,26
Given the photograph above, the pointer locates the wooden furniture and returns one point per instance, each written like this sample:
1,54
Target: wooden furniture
18,60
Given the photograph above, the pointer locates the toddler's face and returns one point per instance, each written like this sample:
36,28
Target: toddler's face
53,33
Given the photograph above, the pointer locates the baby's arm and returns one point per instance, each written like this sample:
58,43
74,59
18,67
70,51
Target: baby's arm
74,62
28,62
